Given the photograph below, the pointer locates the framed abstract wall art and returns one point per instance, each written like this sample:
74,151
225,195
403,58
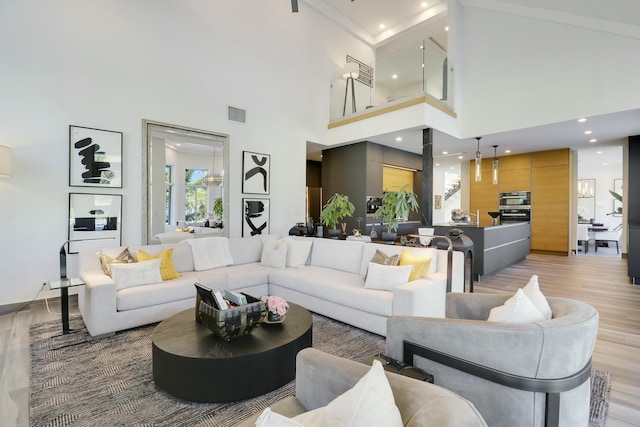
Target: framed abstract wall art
255,217
94,217
255,172
95,157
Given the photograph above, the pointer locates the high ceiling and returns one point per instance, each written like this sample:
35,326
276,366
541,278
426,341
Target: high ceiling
363,17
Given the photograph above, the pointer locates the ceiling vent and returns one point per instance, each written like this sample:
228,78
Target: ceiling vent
236,114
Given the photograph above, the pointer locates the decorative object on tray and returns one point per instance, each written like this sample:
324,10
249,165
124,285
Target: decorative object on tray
232,322
457,214
277,308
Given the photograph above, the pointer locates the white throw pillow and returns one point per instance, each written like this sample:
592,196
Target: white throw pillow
298,251
369,403
268,418
386,277
274,253
136,273
517,309
533,292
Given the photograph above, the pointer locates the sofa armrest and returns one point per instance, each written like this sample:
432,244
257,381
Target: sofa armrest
97,301
422,297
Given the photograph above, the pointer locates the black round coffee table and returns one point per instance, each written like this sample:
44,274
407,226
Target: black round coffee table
191,363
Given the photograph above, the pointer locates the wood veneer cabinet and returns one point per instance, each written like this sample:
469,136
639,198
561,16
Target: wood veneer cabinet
550,189
547,175
515,172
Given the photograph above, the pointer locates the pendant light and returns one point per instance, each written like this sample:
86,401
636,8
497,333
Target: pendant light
495,165
478,161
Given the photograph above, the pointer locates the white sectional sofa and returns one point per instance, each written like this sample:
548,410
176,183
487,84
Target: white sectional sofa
331,282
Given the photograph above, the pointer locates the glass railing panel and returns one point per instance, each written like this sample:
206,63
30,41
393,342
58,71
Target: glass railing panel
416,70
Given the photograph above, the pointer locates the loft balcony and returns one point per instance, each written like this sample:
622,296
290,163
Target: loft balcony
415,83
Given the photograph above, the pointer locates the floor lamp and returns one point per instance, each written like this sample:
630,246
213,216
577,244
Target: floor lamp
350,72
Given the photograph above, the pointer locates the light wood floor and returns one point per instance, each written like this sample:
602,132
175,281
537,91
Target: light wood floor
598,280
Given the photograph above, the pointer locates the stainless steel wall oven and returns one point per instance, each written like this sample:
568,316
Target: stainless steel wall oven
515,206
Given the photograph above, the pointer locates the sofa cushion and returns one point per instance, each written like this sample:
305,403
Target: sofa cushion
158,293
298,251
245,249
182,257
369,403
167,270
340,255
241,277
136,273
517,309
420,265
386,277
533,292
210,252
274,253
370,248
346,289
124,257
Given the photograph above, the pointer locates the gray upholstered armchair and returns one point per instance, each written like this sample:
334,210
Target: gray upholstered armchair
321,377
533,374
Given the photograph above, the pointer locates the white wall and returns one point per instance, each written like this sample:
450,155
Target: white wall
516,72
109,64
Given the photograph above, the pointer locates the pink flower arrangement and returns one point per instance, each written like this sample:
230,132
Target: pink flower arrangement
277,305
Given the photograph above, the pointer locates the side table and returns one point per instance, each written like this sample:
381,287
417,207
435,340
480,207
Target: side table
397,367
64,285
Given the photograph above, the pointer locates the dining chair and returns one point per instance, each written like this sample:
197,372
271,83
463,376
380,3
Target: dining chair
583,237
608,236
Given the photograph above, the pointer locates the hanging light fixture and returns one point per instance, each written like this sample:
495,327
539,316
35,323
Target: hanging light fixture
214,179
495,164
478,161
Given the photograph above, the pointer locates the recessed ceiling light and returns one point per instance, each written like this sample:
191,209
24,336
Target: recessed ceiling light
446,28
423,4
461,157
445,152
605,164
381,26
437,164
395,76
507,151
582,120
587,132
398,139
598,152
593,140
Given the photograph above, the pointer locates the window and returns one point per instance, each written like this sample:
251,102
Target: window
195,194
168,186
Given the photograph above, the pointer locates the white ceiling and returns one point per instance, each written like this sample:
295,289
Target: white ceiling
364,16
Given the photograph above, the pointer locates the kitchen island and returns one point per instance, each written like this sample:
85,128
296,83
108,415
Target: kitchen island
494,247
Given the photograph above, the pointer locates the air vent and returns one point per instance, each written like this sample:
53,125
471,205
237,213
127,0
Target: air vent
236,114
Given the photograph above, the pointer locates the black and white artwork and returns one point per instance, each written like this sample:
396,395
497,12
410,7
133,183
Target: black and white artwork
255,217
95,157
255,172
93,218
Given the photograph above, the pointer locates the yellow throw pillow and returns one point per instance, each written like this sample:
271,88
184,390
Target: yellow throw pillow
167,270
420,265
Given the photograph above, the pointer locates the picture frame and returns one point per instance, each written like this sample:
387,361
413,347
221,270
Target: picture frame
255,217
437,204
255,172
95,157
617,205
95,221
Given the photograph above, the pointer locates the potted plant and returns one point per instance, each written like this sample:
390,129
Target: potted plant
338,207
396,205
218,209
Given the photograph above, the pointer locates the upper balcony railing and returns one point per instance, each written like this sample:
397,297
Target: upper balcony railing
417,70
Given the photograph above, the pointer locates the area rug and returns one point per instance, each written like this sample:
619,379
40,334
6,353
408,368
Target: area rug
108,381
